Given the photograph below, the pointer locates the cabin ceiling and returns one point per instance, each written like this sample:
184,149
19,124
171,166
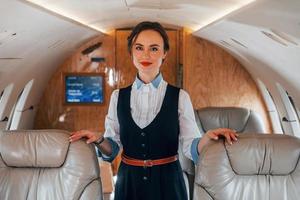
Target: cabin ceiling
106,15
265,37
33,43
36,36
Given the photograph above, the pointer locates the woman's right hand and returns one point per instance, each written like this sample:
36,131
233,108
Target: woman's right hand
89,135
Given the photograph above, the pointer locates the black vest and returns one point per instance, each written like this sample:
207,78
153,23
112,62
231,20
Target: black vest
157,140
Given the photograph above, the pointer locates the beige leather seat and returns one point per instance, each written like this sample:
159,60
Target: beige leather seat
43,165
257,167
242,120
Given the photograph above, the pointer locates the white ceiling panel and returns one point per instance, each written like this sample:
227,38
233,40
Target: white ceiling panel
106,15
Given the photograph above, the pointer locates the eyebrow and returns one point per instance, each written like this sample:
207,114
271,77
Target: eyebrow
152,45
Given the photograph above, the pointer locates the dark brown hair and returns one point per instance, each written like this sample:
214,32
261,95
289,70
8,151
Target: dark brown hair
146,25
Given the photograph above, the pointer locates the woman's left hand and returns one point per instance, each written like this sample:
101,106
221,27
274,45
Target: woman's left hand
229,134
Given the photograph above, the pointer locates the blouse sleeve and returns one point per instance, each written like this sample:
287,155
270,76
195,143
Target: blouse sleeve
112,128
189,135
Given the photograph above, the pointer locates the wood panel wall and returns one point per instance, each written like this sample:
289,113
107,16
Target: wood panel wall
77,117
117,59
213,77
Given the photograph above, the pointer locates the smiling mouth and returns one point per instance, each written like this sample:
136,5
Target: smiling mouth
146,63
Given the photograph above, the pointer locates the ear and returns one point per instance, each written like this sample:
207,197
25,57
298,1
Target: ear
165,55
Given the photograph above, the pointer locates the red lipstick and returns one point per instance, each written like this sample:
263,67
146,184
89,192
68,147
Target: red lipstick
145,63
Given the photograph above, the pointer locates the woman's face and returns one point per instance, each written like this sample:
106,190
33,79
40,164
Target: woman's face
148,51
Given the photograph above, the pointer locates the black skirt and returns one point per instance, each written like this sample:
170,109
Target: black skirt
163,182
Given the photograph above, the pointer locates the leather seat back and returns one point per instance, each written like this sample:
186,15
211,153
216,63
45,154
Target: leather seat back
42,164
240,119
257,166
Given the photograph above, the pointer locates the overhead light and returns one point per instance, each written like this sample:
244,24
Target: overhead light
111,77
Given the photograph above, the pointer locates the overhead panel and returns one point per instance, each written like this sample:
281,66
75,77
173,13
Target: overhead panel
105,15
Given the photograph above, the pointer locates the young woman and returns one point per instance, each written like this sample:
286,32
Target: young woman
148,120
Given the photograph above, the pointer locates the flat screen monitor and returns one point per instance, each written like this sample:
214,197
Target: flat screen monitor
84,88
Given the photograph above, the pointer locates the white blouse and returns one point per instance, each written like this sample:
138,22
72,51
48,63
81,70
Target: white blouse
145,103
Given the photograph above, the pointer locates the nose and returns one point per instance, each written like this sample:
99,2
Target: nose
146,54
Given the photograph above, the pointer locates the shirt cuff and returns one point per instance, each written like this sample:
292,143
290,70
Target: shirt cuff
115,150
194,150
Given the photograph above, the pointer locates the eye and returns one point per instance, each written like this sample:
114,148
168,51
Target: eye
154,49
139,48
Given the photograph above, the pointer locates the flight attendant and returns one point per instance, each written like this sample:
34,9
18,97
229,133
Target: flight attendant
148,120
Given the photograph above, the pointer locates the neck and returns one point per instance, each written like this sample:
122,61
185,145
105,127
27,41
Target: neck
147,77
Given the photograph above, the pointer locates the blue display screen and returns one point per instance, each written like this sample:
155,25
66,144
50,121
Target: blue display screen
84,89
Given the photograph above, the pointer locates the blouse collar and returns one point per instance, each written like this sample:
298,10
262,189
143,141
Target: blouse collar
155,82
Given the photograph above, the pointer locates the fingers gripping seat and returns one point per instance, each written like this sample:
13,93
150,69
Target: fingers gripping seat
37,164
258,166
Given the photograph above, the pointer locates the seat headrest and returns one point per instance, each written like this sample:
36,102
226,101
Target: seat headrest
256,154
229,117
22,148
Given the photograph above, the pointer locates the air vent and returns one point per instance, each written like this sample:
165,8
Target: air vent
284,36
10,58
274,38
224,43
92,48
151,5
56,44
239,43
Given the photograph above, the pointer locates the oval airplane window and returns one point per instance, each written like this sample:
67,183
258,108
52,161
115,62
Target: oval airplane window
292,116
5,95
272,109
1,94
21,112
294,106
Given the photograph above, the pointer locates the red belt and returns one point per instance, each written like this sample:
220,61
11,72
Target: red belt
147,163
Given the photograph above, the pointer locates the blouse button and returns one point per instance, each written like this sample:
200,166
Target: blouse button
145,178
143,145
143,134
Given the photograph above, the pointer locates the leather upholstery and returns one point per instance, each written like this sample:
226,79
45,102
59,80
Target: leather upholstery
42,164
240,119
258,166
